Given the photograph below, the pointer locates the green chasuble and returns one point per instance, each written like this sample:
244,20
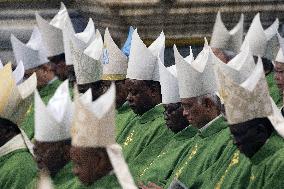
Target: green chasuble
63,176
124,115
107,182
232,170
46,93
207,147
145,130
274,91
267,170
17,168
161,163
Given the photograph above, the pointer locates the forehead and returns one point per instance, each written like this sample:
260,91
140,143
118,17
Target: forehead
172,105
279,65
189,100
135,84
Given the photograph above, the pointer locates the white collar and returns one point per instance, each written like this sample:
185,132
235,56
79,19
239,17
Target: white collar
208,124
53,79
15,143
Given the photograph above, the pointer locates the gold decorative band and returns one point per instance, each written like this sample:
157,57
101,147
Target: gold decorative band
113,77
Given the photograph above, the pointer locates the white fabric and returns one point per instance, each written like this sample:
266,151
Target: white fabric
143,61
277,119
33,53
52,33
115,61
87,65
258,39
87,36
19,73
53,122
198,77
202,129
1,64
169,84
247,100
224,39
280,56
94,123
16,143
120,167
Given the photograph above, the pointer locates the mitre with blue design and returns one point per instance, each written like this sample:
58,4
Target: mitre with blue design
114,60
87,63
224,39
52,32
143,61
33,53
261,42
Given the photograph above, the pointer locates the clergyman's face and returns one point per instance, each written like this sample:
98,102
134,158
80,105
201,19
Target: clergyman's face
174,117
121,92
250,136
279,75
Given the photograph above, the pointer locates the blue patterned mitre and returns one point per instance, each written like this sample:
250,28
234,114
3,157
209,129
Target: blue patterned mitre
126,47
105,56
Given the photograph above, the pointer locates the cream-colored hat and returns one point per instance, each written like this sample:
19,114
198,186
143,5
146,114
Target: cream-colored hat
53,122
247,100
94,126
224,39
81,40
33,53
114,60
51,32
258,39
197,78
87,64
169,84
143,61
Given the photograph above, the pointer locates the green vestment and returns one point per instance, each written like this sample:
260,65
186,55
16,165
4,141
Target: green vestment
124,115
63,176
145,130
17,169
274,91
207,148
161,163
267,170
46,93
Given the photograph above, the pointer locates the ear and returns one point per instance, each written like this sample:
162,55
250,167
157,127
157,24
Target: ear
208,103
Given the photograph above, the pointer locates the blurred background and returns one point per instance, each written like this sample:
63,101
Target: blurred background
184,22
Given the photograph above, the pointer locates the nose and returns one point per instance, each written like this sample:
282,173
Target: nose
185,113
75,171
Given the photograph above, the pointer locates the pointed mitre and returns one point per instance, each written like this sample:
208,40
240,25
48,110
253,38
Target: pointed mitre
224,39
247,100
240,67
87,64
114,61
52,31
280,54
93,123
53,122
169,84
197,78
94,126
143,61
15,100
81,40
127,45
33,53
258,39
19,73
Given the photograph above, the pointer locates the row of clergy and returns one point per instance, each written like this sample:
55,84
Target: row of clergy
76,111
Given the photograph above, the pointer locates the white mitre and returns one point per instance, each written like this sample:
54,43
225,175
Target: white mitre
19,73
240,67
197,78
81,40
247,100
1,64
143,61
169,84
94,126
33,53
224,39
280,54
51,32
16,100
114,60
53,122
87,64
258,39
